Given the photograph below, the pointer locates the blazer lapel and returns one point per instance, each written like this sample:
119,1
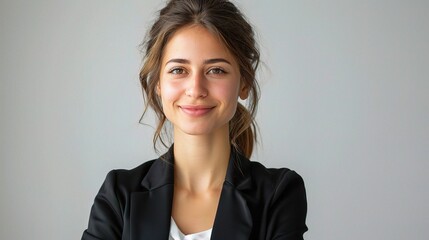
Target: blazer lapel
150,210
233,218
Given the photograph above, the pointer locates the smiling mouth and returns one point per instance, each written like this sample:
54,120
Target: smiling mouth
196,111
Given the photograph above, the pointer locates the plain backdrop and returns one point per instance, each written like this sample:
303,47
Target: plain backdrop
344,102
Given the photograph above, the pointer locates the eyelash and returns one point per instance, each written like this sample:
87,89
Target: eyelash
182,71
176,69
217,69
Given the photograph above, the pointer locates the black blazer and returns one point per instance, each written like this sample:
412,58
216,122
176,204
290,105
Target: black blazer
255,203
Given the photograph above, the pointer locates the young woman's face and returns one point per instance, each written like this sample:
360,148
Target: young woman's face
199,82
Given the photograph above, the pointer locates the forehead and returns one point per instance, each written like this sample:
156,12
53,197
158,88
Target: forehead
196,43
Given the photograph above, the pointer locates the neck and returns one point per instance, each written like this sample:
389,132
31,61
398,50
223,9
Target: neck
201,161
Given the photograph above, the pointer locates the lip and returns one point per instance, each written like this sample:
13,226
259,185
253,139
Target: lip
196,110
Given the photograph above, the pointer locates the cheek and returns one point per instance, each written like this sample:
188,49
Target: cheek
228,92
169,92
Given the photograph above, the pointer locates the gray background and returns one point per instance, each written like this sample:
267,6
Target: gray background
344,103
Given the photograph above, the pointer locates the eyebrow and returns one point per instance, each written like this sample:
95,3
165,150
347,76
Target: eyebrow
208,61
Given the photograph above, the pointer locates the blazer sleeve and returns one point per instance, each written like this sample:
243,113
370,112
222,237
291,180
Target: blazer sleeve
105,220
288,208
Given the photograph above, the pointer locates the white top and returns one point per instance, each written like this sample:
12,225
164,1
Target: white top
176,234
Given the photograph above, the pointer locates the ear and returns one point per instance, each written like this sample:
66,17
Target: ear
158,89
244,92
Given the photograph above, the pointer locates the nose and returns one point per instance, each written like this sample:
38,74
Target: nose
197,86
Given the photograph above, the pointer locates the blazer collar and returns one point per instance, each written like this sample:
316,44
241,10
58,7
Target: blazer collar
151,209
238,172
162,171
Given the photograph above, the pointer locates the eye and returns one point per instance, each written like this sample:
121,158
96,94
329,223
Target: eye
216,70
177,71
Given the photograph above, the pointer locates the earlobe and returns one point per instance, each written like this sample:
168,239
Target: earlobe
244,93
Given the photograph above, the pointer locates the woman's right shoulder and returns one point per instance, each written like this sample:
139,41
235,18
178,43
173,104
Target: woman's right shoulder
107,213
128,179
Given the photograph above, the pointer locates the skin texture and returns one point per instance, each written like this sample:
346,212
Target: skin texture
198,70
199,86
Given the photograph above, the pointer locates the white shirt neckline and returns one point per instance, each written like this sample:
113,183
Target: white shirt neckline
176,234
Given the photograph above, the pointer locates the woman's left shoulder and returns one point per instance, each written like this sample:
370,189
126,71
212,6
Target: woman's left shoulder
282,194
277,197
274,176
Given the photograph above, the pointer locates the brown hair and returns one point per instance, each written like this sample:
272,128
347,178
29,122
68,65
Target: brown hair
224,19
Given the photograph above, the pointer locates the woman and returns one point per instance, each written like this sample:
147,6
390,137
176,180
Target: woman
201,57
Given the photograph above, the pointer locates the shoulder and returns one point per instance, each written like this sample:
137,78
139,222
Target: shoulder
128,179
277,186
267,185
253,176
275,177
112,201
281,202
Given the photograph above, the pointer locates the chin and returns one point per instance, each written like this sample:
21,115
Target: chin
202,129
198,131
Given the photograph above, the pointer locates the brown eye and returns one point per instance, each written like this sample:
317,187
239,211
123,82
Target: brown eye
216,71
177,71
